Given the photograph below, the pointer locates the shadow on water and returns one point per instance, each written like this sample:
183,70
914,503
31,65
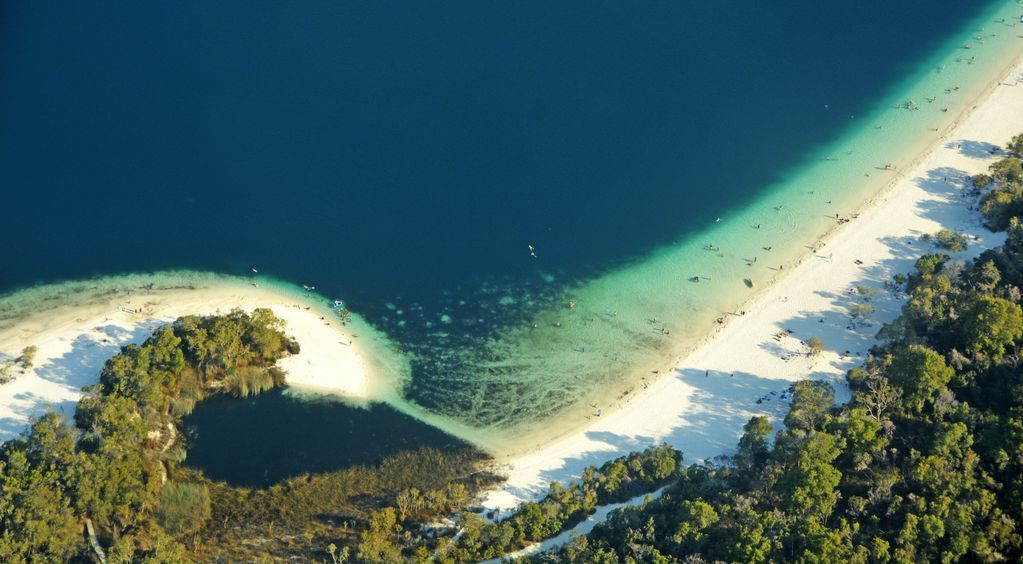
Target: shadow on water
264,439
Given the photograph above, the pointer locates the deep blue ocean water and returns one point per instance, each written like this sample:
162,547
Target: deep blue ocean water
391,150
402,156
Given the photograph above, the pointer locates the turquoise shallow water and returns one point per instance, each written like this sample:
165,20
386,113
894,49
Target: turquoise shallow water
402,158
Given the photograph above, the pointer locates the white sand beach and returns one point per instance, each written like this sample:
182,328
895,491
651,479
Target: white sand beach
75,341
701,404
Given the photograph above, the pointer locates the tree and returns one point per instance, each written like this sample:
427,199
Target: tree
921,374
992,325
927,267
951,241
862,435
985,276
36,520
997,207
811,400
696,517
754,538
118,483
266,334
754,445
375,542
1015,145
877,395
50,443
809,482
409,503
1007,171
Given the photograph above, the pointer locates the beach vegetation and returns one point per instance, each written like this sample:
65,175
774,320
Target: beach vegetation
28,356
1007,172
997,206
811,400
184,507
37,520
414,522
410,502
860,311
1006,200
991,325
949,240
754,446
6,371
249,381
814,345
1015,145
865,291
338,556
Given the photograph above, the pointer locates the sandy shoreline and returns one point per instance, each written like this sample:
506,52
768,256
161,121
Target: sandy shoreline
75,340
631,324
744,368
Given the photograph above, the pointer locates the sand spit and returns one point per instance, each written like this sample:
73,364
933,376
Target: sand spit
78,326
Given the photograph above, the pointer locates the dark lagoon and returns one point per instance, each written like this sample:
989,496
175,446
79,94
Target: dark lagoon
264,439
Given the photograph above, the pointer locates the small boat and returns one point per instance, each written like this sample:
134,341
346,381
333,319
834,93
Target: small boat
748,282
339,303
694,279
